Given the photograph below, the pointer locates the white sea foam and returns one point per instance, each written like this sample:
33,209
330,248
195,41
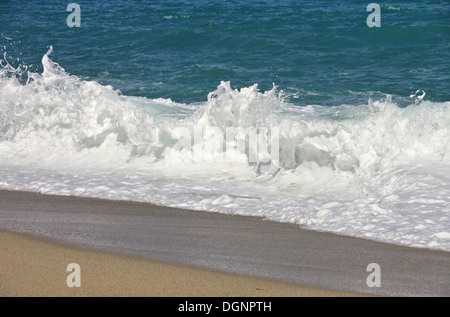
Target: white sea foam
376,171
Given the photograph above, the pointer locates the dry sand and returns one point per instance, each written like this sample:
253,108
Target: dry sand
32,267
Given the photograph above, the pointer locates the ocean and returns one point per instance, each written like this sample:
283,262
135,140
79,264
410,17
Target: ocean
295,111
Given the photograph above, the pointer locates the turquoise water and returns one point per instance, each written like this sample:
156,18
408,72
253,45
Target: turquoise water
317,52
173,103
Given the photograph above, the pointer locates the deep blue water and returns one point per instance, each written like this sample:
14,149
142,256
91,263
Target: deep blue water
317,52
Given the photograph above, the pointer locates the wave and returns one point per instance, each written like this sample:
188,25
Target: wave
375,170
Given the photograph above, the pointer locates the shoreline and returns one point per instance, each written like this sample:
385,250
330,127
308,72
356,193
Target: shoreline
236,246
33,267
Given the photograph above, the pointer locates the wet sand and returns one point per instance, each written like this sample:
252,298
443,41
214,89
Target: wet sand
33,267
210,254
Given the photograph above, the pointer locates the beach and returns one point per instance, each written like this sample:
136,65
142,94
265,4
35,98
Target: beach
32,267
138,249
214,148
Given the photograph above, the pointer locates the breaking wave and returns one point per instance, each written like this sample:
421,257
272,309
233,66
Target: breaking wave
376,170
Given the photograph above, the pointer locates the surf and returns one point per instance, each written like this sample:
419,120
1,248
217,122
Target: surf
374,170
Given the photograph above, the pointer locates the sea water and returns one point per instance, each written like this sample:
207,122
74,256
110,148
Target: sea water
166,102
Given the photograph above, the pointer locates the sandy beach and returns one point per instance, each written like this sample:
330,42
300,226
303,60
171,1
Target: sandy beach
32,267
191,149
138,249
